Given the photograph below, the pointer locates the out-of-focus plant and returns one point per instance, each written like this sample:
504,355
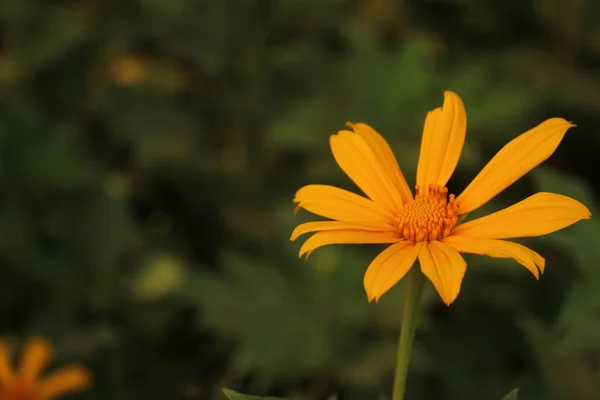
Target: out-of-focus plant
149,149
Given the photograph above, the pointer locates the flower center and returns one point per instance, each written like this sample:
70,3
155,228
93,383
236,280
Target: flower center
430,216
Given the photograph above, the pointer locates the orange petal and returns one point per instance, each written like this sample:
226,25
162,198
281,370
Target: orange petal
389,267
37,354
339,204
444,267
499,249
362,165
384,153
336,226
7,373
514,160
67,380
443,138
537,215
325,238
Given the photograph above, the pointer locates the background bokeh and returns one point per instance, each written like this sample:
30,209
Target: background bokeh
150,151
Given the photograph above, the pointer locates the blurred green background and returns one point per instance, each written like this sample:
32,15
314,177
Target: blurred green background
150,151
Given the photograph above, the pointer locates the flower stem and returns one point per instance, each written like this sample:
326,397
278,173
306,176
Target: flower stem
416,279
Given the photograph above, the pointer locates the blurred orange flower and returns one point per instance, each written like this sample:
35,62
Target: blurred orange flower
426,227
26,383
128,71
131,71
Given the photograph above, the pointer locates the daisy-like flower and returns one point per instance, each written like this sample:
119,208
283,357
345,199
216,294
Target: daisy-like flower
26,383
426,226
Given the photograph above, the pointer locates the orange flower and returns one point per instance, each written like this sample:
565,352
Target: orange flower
26,382
426,227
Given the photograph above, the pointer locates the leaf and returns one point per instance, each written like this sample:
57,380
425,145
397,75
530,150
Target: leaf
159,131
578,315
160,276
231,395
513,395
566,371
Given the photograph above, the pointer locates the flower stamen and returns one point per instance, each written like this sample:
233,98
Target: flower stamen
430,216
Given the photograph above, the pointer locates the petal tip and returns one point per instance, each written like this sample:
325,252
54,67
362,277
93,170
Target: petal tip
542,266
536,271
39,341
448,297
301,252
338,137
563,122
374,298
448,301
585,212
449,93
297,208
294,235
370,296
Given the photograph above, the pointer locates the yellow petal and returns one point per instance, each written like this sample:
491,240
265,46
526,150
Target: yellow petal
384,153
7,374
67,380
514,160
443,138
37,354
325,238
389,267
444,267
336,226
362,165
537,215
339,204
499,249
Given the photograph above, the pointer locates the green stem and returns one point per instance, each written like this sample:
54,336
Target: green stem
416,279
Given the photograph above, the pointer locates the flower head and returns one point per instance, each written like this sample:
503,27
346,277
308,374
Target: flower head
25,382
426,227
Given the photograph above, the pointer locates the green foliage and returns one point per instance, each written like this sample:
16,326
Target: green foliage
150,150
231,395
578,318
292,317
513,395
